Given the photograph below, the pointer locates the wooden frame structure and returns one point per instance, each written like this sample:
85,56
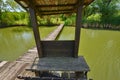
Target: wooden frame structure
52,7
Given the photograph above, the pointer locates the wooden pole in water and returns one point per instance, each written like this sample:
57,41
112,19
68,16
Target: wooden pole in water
35,30
78,27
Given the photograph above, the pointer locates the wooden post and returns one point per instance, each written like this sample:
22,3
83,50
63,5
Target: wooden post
78,27
35,30
80,75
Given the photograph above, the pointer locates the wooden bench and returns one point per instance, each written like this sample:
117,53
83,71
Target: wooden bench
69,64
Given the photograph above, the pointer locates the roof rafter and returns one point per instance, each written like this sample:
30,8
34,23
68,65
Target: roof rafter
60,5
57,13
56,10
52,6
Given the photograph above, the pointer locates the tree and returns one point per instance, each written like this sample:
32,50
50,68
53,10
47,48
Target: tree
0,11
105,8
6,17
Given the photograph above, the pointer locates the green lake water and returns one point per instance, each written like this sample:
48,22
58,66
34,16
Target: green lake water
100,48
16,41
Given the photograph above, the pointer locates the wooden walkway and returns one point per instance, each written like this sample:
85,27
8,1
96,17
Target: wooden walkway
10,70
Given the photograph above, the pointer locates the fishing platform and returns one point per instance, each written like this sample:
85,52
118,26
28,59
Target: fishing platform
56,55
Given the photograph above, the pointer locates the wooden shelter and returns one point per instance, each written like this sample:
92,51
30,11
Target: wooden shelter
53,52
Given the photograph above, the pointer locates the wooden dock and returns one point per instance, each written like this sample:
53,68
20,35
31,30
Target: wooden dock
49,51
10,70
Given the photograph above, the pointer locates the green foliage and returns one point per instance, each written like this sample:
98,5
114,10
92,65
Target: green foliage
7,18
99,12
13,18
94,18
103,12
49,20
68,19
115,20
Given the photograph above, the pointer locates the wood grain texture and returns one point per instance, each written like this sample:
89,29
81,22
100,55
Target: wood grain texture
58,48
60,64
57,5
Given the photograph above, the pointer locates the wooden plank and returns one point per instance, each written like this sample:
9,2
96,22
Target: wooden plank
56,10
60,64
56,13
60,5
35,30
55,33
3,63
21,5
47,78
78,28
58,48
11,70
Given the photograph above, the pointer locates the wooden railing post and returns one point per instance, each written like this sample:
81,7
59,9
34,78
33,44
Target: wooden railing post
35,30
78,27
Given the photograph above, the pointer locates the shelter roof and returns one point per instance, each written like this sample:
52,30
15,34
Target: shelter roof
48,7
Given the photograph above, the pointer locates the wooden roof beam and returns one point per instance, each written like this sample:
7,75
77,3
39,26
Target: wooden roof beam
34,24
59,5
21,4
56,10
86,3
56,13
26,4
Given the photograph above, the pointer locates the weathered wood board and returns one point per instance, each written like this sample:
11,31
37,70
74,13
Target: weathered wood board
60,64
58,48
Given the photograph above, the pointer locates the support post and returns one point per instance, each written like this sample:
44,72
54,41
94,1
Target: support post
80,75
78,27
34,24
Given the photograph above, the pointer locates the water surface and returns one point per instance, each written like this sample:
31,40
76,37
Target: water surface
16,41
101,49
